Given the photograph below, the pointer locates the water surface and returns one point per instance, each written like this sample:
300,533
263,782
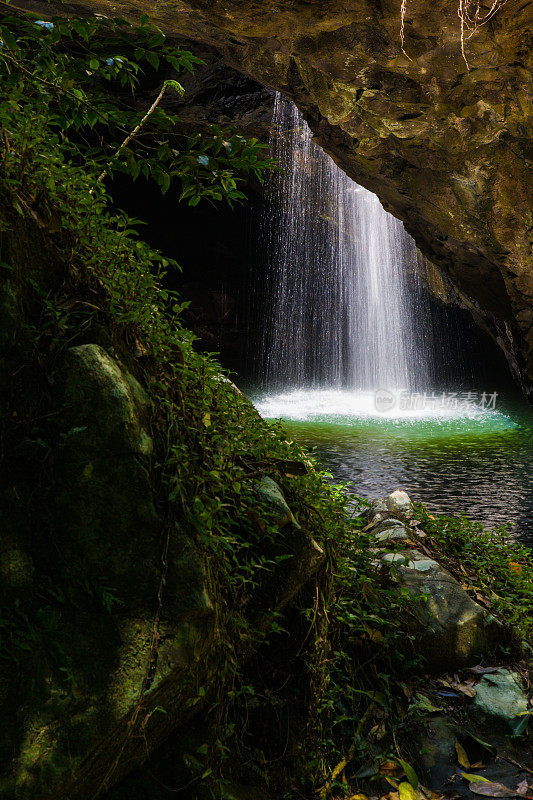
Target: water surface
467,460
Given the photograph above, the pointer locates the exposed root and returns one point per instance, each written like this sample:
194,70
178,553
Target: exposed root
402,28
470,16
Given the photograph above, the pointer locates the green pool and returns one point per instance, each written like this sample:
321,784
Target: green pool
469,459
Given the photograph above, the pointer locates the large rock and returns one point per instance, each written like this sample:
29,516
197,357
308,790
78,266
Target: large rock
387,524
110,602
437,755
81,592
444,143
452,629
437,764
297,554
399,502
273,503
501,700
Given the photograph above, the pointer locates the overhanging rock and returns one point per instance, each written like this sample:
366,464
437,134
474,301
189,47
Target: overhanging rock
445,144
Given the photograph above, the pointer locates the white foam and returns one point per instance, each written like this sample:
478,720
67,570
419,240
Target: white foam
349,406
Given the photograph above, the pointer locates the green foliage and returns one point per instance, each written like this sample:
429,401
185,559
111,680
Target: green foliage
66,107
494,567
67,91
62,123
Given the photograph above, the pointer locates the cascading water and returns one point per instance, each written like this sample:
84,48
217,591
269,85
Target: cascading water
343,318
341,315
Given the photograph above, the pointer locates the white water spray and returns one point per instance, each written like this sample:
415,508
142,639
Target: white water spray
341,313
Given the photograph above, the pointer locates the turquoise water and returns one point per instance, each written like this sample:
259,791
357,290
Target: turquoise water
457,460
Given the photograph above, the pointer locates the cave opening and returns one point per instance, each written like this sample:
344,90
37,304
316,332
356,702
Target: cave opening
228,259
222,263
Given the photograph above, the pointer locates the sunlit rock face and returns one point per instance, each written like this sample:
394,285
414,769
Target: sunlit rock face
443,144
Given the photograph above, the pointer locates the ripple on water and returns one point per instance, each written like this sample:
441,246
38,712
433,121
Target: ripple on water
468,460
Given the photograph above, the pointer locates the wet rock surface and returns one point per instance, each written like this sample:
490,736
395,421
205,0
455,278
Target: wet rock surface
501,700
451,629
469,724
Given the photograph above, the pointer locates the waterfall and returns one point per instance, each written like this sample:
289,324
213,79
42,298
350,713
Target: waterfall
340,273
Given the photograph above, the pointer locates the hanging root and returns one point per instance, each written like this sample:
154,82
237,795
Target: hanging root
402,28
470,16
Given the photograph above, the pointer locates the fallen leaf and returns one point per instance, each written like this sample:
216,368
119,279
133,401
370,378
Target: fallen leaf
465,688
410,774
389,767
484,670
489,747
406,792
462,757
392,782
514,566
447,681
522,787
422,703
491,789
468,776
374,635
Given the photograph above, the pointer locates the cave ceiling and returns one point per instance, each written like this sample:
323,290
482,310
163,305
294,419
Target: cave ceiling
443,140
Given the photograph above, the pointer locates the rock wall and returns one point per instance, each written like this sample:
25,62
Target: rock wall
444,144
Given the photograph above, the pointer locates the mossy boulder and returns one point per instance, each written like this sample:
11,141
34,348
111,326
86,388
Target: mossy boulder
86,639
105,515
451,629
291,550
501,700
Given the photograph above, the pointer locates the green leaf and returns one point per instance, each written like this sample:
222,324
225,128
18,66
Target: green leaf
469,776
8,38
152,59
156,40
410,774
176,86
423,704
164,182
